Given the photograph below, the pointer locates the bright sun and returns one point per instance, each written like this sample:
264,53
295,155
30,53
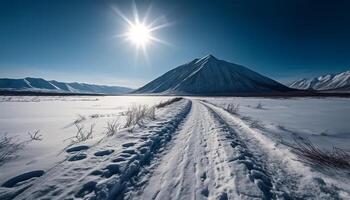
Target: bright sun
139,34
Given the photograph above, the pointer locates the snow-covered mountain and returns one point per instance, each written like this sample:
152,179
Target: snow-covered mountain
42,85
335,82
211,76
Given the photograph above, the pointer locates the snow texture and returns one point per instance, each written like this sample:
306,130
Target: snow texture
194,149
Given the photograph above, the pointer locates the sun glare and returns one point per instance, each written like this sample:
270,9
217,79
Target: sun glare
139,34
141,31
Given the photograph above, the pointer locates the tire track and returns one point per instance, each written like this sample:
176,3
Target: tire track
200,164
281,182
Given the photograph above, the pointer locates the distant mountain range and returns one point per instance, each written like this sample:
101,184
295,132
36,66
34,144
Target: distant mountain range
42,85
330,82
204,76
211,76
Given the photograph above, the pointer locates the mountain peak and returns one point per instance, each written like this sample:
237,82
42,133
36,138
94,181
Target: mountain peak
206,59
211,76
209,57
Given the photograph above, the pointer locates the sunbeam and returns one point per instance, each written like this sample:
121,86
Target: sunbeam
141,32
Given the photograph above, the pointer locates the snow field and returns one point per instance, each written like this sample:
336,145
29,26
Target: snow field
103,170
290,178
195,149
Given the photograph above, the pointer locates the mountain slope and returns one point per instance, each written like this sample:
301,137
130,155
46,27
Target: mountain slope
42,85
336,82
210,76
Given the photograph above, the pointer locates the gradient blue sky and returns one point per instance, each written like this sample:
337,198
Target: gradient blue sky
74,40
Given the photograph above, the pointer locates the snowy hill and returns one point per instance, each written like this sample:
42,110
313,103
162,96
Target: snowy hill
211,76
334,82
42,85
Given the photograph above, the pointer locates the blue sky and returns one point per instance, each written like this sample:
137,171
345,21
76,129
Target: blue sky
74,40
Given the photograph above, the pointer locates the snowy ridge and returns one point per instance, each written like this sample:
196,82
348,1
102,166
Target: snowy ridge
336,82
211,76
41,85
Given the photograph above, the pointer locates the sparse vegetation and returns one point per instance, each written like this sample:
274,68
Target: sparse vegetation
94,116
259,106
313,155
168,102
136,115
80,119
232,108
10,145
35,135
82,134
256,124
113,127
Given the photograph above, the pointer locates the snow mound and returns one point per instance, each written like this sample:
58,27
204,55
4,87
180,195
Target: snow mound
211,76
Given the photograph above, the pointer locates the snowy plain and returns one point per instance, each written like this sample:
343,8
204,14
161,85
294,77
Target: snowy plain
53,116
194,149
321,119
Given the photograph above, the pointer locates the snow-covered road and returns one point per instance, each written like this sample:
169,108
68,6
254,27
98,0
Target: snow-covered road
214,157
196,150
195,166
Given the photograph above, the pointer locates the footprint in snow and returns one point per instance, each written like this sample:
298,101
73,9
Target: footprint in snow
86,189
104,152
129,144
111,169
223,196
125,155
205,192
77,148
79,156
119,159
129,151
22,177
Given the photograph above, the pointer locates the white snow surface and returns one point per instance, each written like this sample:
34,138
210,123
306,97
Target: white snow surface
336,82
194,149
54,117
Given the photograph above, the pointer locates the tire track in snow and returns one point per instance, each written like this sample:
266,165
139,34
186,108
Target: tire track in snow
199,164
212,158
177,174
285,183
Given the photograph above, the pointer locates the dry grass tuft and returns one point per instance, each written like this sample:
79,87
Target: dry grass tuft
313,155
259,106
137,115
168,102
35,135
113,127
9,147
82,134
232,108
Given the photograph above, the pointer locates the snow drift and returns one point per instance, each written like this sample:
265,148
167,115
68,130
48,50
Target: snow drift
211,76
